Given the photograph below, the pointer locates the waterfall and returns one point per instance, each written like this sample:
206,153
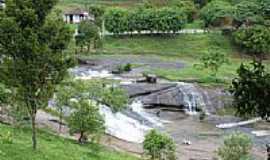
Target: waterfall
192,98
87,73
123,127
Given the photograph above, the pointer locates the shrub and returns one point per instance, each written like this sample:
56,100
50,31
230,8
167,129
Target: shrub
217,13
265,6
6,138
86,119
213,60
88,34
247,12
159,146
236,147
116,20
187,6
145,19
254,39
98,12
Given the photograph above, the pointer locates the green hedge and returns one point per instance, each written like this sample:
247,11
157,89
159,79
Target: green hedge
144,19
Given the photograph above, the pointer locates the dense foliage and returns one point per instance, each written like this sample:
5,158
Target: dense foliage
247,12
213,60
145,19
84,99
85,119
98,12
217,13
187,6
4,94
31,47
159,146
254,39
237,146
251,90
88,35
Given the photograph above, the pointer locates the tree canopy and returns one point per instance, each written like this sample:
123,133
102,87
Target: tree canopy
251,90
32,48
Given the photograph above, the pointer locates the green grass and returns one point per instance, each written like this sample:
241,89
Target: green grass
51,147
184,45
65,4
191,74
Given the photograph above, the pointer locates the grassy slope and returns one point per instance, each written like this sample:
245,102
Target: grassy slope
64,4
52,148
188,48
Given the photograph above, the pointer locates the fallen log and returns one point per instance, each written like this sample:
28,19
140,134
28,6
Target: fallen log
237,124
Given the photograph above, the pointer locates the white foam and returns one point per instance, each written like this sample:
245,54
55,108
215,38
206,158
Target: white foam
123,127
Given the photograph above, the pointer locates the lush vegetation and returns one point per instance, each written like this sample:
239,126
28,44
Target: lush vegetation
237,146
213,60
33,61
159,146
51,147
144,19
251,90
216,13
254,39
88,36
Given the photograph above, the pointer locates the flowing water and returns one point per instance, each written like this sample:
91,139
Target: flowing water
192,97
132,124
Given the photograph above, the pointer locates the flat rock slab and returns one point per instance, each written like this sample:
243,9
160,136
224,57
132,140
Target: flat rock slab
111,62
141,89
169,97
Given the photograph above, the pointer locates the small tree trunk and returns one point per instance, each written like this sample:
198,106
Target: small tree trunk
81,137
60,124
34,136
268,151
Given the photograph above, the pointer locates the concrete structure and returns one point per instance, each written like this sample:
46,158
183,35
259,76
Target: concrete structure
76,16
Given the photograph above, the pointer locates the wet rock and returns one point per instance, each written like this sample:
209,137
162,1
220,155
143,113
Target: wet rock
87,62
142,89
187,96
150,78
168,97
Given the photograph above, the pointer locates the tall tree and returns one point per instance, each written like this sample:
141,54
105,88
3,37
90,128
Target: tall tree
251,90
31,47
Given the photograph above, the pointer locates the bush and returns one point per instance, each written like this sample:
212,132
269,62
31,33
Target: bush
159,146
98,12
217,13
116,20
187,6
6,138
247,12
236,146
265,6
86,119
88,33
254,39
145,19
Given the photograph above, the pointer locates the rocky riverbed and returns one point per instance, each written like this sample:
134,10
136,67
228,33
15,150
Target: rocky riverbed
170,101
171,107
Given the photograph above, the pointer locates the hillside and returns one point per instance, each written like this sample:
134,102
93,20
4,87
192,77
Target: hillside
51,148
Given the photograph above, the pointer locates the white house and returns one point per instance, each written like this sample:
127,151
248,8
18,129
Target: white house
76,16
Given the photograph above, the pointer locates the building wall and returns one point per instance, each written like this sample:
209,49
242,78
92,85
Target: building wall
75,18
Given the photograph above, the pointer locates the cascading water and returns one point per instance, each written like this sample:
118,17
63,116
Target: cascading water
86,73
192,98
123,126
133,123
